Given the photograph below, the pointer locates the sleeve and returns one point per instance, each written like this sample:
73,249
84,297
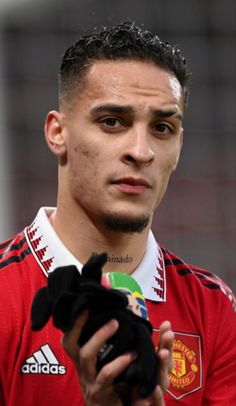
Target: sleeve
220,386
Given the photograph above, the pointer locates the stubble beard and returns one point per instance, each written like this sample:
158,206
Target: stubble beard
124,224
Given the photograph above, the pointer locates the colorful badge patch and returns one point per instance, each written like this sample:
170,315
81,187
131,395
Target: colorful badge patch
186,374
128,285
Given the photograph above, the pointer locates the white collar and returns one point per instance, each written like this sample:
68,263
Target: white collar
50,252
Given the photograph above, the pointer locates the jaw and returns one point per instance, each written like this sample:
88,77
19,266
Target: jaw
125,224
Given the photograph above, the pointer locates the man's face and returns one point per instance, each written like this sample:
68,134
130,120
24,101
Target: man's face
123,138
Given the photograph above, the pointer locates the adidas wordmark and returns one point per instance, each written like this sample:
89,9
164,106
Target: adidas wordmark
43,361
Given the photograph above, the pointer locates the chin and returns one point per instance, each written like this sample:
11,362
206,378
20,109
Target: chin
125,224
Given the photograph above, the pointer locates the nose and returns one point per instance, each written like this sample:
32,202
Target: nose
139,150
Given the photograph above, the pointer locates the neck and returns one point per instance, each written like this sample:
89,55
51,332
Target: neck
83,238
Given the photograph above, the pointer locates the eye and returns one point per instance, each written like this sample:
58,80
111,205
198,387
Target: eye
112,122
162,129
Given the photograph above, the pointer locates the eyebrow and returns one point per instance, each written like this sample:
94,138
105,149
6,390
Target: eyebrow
168,113
113,108
127,109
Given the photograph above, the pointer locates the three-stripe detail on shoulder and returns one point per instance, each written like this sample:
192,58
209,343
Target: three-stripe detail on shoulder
12,251
207,279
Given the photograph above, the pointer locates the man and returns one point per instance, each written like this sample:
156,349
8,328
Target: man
118,136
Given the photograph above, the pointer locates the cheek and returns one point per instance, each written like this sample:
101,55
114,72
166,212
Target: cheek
167,164
165,169
172,156
84,166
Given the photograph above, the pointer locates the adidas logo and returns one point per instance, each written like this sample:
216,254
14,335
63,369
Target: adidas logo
43,361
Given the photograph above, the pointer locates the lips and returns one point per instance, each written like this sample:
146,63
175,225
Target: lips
132,185
132,182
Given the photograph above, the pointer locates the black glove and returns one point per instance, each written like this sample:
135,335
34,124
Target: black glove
68,293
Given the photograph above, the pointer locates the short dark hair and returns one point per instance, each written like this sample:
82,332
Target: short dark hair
125,41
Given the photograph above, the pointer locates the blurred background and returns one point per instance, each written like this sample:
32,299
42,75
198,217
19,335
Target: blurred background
197,218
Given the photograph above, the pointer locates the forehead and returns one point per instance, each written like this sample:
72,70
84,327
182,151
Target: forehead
136,82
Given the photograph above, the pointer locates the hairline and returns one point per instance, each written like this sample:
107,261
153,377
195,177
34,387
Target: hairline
80,80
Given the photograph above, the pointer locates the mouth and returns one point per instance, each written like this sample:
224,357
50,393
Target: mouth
132,185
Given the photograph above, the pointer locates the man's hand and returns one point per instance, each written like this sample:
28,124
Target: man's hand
98,388
165,352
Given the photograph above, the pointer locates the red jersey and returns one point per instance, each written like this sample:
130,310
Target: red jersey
35,370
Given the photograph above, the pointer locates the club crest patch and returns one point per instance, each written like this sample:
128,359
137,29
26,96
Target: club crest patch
186,374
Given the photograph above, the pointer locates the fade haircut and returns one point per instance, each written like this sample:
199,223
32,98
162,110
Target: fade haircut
125,41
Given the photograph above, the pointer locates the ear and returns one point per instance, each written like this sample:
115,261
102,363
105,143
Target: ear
180,147
54,134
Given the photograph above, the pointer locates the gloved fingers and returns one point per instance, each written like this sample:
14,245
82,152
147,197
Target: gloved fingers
145,369
63,279
41,309
114,298
67,308
92,269
149,381
139,319
100,296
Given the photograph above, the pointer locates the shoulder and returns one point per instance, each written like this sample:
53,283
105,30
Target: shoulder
18,268
20,278
191,277
13,250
